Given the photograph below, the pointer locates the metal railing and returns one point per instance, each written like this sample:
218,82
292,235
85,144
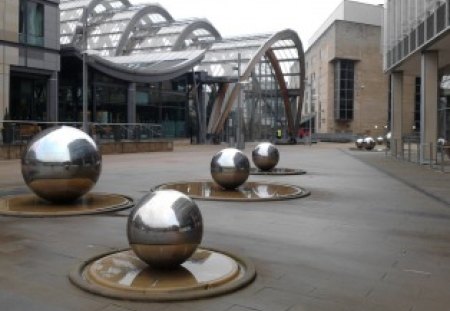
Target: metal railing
16,132
435,155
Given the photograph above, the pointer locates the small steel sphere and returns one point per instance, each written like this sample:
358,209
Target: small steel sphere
265,156
380,140
369,143
230,168
441,141
359,143
61,164
165,228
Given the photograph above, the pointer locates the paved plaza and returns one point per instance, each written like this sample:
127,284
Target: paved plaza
373,235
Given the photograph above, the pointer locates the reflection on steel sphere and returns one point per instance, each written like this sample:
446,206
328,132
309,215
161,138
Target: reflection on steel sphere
230,168
165,228
265,156
61,164
369,143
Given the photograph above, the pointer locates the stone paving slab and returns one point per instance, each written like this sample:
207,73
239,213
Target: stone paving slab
363,240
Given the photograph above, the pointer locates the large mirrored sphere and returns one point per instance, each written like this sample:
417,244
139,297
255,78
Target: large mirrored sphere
165,228
359,143
265,156
230,168
369,143
61,164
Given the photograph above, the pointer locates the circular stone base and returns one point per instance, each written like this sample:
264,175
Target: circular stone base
250,191
277,171
122,275
29,205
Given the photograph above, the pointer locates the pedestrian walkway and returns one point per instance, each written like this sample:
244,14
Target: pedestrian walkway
373,235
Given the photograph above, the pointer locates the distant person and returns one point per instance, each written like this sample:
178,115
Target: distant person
279,133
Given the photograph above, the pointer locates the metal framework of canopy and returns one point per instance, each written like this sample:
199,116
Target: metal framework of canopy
144,43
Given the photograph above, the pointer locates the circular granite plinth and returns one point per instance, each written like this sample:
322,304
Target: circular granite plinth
277,171
122,275
250,191
29,205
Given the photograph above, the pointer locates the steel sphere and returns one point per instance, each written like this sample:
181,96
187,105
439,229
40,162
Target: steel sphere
230,168
380,140
165,228
265,156
369,143
359,143
61,164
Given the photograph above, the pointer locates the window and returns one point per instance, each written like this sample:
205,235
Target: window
31,22
344,73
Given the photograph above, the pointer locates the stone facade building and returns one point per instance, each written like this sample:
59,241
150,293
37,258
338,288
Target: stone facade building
29,58
346,89
416,42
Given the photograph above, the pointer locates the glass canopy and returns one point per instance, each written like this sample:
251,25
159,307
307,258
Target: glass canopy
145,43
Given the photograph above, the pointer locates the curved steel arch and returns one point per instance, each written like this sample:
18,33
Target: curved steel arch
88,11
141,75
135,19
200,24
282,35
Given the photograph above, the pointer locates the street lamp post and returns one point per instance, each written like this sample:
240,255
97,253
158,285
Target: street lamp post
85,73
239,139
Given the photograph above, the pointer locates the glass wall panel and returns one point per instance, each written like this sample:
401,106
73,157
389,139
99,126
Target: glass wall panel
344,72
28,98
31,22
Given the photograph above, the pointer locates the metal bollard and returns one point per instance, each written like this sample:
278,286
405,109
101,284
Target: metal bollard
418,153
409,151
431,155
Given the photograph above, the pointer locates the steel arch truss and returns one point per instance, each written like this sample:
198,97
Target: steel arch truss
270,50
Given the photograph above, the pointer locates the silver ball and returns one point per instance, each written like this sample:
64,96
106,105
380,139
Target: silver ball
265,156
369,143
61,164
165,228
230,168
380,140
359,143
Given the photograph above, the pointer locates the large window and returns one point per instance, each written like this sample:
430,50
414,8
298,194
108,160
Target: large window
31,22
344,80
28,97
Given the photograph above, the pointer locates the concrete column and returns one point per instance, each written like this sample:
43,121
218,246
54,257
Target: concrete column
428,105
131,111
397,113
202,100
52,100
131,103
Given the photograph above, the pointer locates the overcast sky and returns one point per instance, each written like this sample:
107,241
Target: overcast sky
241,17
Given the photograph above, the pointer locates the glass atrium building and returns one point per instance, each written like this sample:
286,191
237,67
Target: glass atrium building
146,67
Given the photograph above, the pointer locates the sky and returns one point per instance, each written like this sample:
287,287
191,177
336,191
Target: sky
242,17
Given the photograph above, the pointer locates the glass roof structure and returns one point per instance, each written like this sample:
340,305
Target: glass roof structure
144,43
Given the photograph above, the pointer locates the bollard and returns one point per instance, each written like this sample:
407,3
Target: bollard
442,159
409,151
418,153
431,155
